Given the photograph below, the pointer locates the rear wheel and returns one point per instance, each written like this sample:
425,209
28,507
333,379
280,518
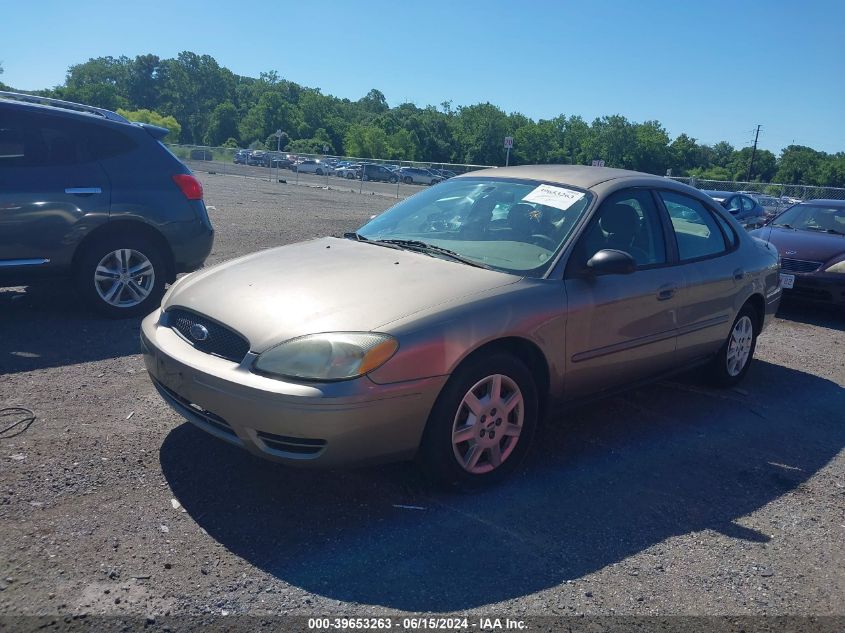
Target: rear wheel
122,276
408,180
483,422
319,172
734,358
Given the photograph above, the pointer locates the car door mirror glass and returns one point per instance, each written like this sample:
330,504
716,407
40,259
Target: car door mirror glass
610,261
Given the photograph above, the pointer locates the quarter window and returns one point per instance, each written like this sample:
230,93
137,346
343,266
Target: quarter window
695,228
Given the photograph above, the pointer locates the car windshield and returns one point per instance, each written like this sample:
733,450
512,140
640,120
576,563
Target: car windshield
813,217
515,226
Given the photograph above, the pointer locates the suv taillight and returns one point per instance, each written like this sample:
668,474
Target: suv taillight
188,185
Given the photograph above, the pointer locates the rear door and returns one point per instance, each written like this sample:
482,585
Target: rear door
712,267
53,190
621,328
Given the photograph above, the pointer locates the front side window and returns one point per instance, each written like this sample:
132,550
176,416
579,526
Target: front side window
511,225
627,221
695,228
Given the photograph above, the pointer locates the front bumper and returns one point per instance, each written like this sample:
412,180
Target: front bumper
818,288
307,424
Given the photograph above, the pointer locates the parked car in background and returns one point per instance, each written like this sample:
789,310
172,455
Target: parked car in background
418,176
771,205
311,166
201,154
282,161
748,212
349,171
445,174
256,158
88,196
241,156
490,299
810,238
371,171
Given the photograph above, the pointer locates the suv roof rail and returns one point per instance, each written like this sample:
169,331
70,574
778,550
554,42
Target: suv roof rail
58,103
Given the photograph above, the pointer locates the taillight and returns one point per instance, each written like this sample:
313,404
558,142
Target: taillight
188,185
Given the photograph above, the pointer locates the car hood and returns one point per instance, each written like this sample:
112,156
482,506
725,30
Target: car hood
325,285
807,245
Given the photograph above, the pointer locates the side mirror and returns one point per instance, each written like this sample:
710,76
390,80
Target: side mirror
610,261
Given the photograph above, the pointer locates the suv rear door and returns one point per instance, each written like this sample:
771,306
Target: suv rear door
53,190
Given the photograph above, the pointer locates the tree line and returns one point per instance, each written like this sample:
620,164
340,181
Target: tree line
204,103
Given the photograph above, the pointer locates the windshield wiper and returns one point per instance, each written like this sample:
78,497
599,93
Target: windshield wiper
821,230
425,247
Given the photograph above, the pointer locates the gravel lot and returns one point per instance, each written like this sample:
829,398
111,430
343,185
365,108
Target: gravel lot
672,499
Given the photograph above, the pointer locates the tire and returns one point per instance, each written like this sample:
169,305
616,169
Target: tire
394,180
102,262
319,172
471,463
365,177
731,364
350,175
408,180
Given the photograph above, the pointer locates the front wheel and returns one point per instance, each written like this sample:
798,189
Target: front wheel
483,422
731,364
122,276
408,180
319,172
393,181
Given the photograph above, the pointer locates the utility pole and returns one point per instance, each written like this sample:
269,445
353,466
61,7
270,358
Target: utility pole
753,154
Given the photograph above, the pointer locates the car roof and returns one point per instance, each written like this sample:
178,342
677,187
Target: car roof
716,192
840,204
574,175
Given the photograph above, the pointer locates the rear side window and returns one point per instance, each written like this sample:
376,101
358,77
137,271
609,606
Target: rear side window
696,231
730,234
52,141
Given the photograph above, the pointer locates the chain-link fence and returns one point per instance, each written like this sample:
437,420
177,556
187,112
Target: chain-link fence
773,189
403,178
364,175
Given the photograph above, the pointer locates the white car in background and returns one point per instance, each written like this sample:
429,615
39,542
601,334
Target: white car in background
312,167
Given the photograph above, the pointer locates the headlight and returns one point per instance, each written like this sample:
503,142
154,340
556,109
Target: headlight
332,356
838,267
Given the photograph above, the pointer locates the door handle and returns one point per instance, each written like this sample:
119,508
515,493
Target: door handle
666,292
83,191
739,273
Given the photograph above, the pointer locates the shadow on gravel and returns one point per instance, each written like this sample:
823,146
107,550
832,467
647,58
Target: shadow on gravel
606,483
47,325
820,315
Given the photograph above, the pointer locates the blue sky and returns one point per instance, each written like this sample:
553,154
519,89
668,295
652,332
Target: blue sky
711,69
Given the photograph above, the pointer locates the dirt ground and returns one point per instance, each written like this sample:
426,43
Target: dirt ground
673,499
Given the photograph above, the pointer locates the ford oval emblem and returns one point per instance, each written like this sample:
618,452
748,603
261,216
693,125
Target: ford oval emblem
199,332
791,252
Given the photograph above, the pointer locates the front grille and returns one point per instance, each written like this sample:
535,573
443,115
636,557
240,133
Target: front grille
799,265
212,419
298,445
221,341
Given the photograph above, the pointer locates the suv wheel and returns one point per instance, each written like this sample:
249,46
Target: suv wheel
122,276
408,180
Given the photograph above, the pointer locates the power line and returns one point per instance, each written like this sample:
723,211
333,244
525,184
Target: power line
753,154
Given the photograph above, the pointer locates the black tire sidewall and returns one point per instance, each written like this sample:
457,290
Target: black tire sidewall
719,369
94,253
436,453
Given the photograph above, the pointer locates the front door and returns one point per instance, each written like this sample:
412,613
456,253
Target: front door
621,328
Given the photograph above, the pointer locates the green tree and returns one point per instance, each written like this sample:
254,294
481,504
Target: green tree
154,118
222,124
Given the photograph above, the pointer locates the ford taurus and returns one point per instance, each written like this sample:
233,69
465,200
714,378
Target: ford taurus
447,327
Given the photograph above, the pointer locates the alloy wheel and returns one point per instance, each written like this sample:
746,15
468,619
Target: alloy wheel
739,345
124,278
488,424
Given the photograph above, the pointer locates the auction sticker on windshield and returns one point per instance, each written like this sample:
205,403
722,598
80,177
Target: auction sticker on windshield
557,197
